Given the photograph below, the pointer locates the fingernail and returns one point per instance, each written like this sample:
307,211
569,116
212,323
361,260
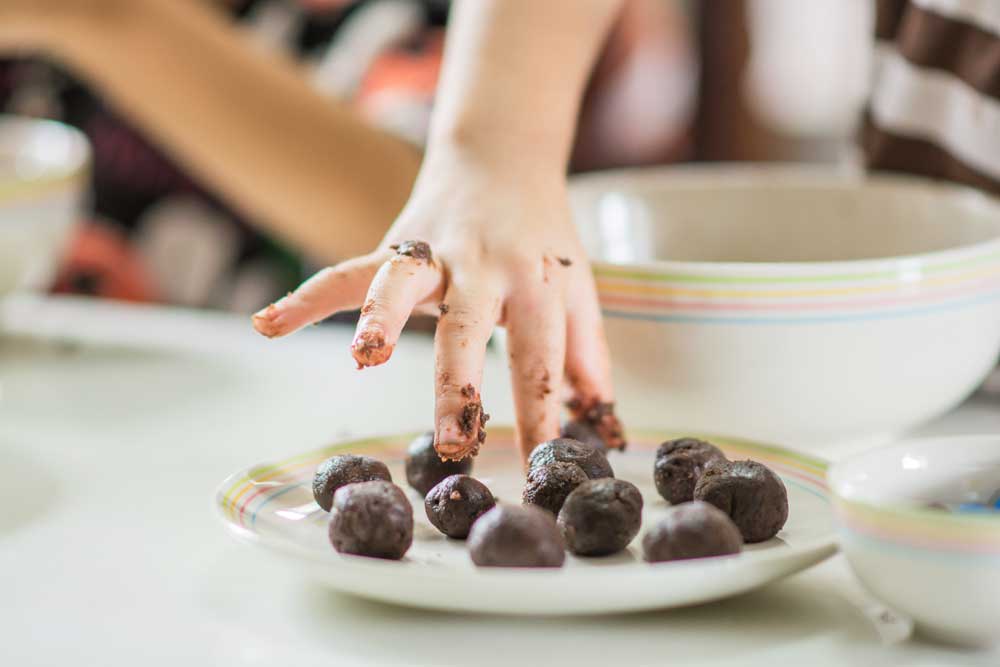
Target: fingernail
449,430
264,321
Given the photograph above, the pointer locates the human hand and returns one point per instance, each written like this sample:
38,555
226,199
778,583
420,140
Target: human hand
480,246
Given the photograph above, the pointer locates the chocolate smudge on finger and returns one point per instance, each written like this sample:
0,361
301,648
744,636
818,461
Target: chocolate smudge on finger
369,349
414,249
472,422
600,415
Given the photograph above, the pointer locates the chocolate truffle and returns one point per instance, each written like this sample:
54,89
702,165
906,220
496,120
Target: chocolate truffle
424,468
511,536
585,432
750,493
593,462
371,519
548,485
679,464
345,469
692,530
601,516
455,503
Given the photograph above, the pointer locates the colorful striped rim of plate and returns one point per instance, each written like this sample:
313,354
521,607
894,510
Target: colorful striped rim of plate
242,496
912,287
917,531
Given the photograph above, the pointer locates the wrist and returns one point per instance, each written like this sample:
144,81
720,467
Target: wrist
502,155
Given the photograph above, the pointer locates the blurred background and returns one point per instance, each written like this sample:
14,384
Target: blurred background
678,81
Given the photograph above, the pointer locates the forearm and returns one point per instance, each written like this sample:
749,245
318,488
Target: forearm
514,73
248,125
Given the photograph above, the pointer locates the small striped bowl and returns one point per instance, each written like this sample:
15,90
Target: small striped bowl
800,306
940,567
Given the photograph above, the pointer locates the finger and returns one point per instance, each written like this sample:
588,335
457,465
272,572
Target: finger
536,348
406,279
337,288
459,351
588,362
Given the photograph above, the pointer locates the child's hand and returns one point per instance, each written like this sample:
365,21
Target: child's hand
480,246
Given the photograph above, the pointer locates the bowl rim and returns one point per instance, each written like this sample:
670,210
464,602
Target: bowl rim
56,178
709,175
975,522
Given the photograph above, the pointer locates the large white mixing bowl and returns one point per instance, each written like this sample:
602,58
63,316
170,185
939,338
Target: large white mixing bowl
43,176
789,305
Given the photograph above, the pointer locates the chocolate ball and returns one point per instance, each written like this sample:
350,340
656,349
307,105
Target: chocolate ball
750,493
371,519
424,468
455,503
345,469
585,432
700,450
548,485
679,464
593,462
511,536
601,516
692,530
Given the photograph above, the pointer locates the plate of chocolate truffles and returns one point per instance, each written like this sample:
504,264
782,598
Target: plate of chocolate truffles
669,521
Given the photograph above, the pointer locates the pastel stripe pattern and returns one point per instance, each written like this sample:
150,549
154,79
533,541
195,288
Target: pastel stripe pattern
921,532
903,288
243,496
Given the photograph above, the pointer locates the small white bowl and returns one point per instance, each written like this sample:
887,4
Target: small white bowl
941,568
801,306
43,177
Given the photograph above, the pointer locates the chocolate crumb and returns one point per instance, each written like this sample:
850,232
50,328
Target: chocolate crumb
565,261
471,417
443,307
414,249
468,391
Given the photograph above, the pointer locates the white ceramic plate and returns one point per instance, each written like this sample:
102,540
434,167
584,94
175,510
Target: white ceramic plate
271,506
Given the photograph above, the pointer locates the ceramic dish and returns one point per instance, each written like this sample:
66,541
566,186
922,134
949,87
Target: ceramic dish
795,306
43,175
942,568
271,506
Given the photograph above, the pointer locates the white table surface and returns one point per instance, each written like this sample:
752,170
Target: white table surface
112,443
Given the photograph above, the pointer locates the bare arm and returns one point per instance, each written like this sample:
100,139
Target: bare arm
245,122
514,75
490,205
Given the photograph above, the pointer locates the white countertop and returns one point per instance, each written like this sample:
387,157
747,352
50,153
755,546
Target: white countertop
111,446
